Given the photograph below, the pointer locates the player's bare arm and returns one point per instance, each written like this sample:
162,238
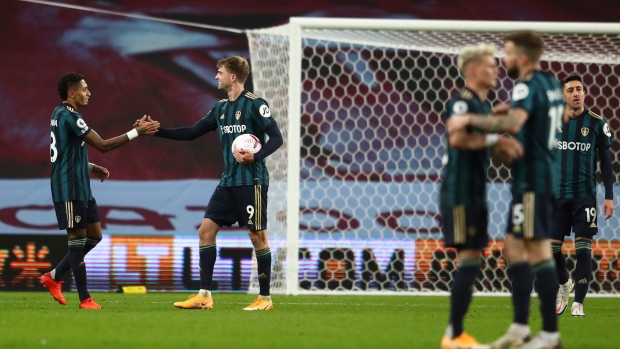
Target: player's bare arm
511,123
145,129
99,171
507,149
501,108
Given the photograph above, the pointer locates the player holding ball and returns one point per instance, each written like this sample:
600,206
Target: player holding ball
241,195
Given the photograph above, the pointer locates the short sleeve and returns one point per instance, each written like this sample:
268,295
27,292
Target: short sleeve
522,97
262,113
76,125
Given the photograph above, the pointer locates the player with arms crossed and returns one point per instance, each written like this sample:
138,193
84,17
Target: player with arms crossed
462,196
534,116
585,134
76,208
241,195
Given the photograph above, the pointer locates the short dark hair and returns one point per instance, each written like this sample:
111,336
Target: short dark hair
67,82
236,65
530,43
572,77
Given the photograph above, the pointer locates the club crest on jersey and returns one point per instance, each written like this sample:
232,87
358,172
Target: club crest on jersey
559,130
237,115
222,116
585,131
78,219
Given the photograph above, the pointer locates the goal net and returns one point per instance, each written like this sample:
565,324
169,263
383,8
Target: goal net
353,195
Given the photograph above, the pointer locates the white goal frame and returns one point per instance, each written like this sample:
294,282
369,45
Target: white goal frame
294,31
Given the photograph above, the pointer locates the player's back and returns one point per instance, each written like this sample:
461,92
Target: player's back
540,94
70,179
465,171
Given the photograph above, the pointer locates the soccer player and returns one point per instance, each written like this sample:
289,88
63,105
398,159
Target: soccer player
534,116
241,195
76,208
582,137
463,201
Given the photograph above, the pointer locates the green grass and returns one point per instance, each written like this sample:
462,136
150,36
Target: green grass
34,320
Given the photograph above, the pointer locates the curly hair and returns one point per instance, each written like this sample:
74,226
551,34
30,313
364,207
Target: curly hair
67,82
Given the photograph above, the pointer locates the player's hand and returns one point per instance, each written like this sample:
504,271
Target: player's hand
457,122
507,149
501,108
244,157
146,126
144,119
608,208
101,172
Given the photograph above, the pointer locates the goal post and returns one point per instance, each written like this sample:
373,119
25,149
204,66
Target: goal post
353,194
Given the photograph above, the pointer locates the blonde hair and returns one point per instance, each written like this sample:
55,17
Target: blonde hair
236,65
474,54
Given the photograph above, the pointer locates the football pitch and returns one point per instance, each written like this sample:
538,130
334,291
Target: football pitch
34,320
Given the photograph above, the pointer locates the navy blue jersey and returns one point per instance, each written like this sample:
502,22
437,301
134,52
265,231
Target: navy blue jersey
70,178
465,171
580,138
540,95
247,114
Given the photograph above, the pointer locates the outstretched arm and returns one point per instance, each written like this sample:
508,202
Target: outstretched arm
104,146
187,133
505,149
495,124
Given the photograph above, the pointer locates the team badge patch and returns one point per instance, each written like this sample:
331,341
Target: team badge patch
606,130
221,117
237,115
585,131
459,108
520,91
264,111
78,219
559,130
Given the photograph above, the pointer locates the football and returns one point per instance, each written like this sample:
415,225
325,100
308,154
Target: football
247,142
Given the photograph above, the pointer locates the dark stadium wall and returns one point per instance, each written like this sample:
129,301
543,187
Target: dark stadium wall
136,67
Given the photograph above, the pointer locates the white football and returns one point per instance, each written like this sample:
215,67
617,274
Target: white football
247,142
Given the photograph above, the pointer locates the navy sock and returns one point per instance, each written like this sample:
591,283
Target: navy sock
64,264
560,262
583,271
78,267
208,255
461,292
547,287
263,259
521,280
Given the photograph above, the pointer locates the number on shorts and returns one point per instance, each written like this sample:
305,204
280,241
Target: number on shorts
590,214
250,210
517,214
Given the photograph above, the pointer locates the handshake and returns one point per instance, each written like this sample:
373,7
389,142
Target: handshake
146,126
